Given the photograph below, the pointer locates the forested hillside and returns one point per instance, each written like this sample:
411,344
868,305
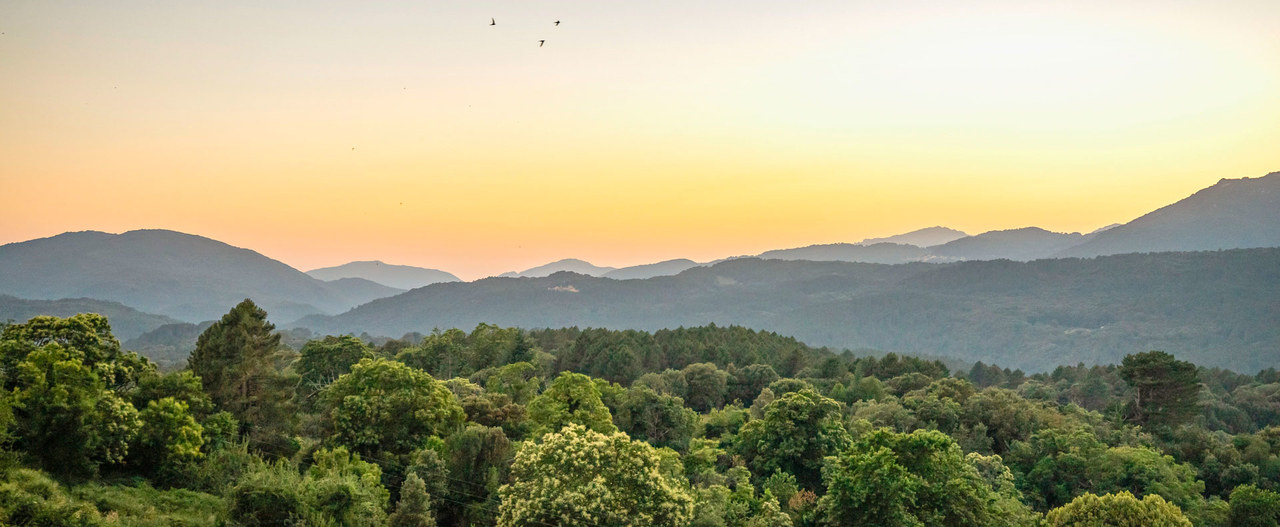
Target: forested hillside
1217,308
692,426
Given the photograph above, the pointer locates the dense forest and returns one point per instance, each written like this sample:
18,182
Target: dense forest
705,426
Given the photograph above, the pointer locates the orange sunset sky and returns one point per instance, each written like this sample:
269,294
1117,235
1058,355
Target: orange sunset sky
320,132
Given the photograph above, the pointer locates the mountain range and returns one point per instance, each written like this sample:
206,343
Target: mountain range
186,277
1217,308
148,279
402,277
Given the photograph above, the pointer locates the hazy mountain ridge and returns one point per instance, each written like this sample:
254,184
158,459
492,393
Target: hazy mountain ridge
572,265
664,268
184,276
1217,308
126,322
1025,244
1231,214
402,277
926,237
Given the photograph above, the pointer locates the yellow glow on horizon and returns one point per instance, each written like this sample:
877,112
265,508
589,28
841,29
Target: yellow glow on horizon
410,135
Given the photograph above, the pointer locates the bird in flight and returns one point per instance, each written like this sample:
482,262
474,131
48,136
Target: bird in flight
557,22
493,22
541,42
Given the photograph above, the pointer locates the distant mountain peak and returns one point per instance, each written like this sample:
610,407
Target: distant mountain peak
390,275
568,264
928,236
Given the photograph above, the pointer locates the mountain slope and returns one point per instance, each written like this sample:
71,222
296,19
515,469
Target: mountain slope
126,322
885,253
572,265
187,277
1213,308
667,268
920,238
1024,244
1234,213
402,277
356,291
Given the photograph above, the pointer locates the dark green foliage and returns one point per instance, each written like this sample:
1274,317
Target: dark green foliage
1253,507
798,430
1165,388
320,362
917,479
237,360
662,420
385,406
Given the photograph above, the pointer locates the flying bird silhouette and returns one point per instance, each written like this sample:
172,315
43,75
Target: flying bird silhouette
493,22
557,22
541,42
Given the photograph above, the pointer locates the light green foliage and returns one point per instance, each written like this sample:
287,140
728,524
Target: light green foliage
517,380
572,398
183,386
169,439
236,360
799,429
770,514
917,479
145,506
581,477
414,507
347,489
1117,510
1254,507
385,406
29,497
85,338
662,420
64,416
339,489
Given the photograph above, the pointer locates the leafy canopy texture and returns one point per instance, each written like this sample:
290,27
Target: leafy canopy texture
1117,510
581,477
799,429
572,398
385,406
1165,389
917,479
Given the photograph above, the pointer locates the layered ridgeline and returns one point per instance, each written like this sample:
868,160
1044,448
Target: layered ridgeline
1232,214
1216,308
398,276
126,322
186,277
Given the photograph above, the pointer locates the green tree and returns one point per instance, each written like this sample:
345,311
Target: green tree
414,507
706,386
65,417
169,439
1254,507
385,406
572,398
662,420
798,430
1165,390
917,479
237,362
321,362
1117,510
581,477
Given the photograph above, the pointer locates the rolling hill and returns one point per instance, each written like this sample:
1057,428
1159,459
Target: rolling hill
187,277
403,277
126,322
1232,214
1213,308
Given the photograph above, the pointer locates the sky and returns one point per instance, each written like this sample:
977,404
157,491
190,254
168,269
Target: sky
321,132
